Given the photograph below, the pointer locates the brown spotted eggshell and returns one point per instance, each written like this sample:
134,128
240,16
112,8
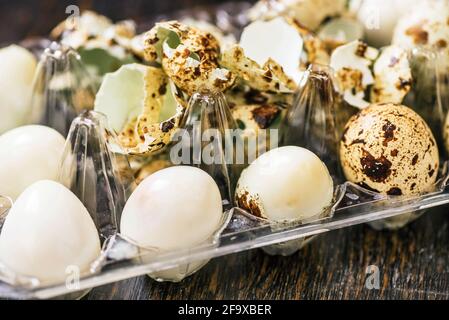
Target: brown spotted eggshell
389,149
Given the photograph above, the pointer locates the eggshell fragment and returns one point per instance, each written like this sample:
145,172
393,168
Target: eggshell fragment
352,65
188,56
285,184
393,76
48,234
281,43
269,77
389,149
174,208
135,99
28,154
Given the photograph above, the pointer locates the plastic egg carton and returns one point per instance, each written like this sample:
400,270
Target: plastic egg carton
102,179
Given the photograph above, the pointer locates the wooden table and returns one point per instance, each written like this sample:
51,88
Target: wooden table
413,264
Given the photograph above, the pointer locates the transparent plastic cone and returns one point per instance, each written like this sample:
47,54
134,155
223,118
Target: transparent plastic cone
100,178
209,140
425,95
311,121
62,88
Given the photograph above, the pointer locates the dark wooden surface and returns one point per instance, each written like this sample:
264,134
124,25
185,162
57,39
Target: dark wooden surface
413,262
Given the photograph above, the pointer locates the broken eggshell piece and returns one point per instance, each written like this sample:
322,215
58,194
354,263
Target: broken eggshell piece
393,76
267,78
352,65
281,42
188,56
102,45
142,106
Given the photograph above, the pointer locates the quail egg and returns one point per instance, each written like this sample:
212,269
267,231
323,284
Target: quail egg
285,184
28,154
48,234
389,149
17,67
174,208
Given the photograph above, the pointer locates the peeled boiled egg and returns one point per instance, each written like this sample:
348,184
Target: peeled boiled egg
48,234
28,154
174,208
17,68
284,184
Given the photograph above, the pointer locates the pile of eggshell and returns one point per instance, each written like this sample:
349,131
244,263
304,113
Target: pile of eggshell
386,147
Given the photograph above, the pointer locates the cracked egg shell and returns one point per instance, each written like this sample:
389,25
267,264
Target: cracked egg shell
94,31
142,106
352,65
267,78
389,149
310,13
393,76
285,184
426,24
188,56
281,43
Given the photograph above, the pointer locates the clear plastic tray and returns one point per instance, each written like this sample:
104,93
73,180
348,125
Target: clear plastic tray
121,259
242,233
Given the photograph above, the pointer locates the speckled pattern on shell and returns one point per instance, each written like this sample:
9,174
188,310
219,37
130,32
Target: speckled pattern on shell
189,74
389,149
269,77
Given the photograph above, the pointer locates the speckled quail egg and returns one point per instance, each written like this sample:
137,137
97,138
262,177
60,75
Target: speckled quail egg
17,67
389,149
174,208
427,23
285,184
48,234
28,154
